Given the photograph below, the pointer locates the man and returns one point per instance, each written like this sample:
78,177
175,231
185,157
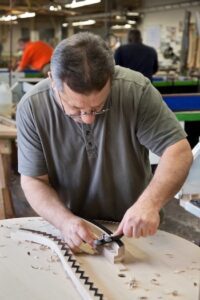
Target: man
137,56
83,136
36,55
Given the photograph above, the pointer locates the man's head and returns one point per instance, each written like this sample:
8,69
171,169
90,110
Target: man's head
134,36
22,43
83,62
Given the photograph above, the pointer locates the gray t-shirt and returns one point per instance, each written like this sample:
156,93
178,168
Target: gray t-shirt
98,170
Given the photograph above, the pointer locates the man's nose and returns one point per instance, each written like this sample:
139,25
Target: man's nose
88,118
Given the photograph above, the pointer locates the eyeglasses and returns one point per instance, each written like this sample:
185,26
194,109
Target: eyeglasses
78,116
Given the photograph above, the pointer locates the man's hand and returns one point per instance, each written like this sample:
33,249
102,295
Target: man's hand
75,231
139,220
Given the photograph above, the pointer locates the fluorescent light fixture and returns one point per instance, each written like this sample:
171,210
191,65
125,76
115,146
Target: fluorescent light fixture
132,13
75,4
126,26
8,18
132,22
55,8
83,23
27,15
65,25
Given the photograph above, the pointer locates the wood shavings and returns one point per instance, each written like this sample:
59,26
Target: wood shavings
7,236
36,268
121,275
174,293
43,247
53,258
154,281
54,273
157,275
123,269
170,255
132,284
179,271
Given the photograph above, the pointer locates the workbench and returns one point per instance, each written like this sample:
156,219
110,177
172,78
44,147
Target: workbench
7,134
163,266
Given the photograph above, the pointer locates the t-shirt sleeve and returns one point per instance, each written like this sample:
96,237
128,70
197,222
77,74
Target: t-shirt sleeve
31,160
157,126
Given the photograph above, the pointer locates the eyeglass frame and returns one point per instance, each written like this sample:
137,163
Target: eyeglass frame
92,112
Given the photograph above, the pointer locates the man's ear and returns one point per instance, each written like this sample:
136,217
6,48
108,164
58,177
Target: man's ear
49,75
51,79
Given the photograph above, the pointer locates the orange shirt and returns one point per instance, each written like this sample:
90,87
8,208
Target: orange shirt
35,56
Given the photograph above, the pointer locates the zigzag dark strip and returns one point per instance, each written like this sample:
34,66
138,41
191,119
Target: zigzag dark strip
72,260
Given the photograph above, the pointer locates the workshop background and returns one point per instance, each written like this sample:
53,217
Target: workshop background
172,27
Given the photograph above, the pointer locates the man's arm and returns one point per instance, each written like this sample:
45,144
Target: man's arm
142,218
45,201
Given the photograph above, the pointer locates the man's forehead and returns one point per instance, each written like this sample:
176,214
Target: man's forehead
94,98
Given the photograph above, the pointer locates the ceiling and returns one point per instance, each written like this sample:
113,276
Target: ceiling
42,6
106,11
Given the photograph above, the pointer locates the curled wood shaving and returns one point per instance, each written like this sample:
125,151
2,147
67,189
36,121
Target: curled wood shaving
133,283
53,258
36,268
179,271
195,283
173,293
43,247
154,281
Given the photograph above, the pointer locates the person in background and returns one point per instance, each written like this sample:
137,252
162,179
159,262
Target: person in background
36,55
83,140
1,49
137,56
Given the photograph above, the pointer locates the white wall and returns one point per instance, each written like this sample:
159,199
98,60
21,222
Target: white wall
160,28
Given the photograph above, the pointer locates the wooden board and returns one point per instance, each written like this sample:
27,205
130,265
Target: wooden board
160,267
7,131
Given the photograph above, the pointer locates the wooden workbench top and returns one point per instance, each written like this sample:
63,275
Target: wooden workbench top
163,266
7,131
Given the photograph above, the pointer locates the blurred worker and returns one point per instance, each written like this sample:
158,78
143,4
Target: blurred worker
1,49
36,55
137,56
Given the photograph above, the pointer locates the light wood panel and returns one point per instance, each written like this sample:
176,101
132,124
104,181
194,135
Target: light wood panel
160,267
7,133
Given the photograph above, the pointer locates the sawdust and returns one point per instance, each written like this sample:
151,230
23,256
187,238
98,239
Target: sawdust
133,284
43,248
179,271
174,293
155,282
53,258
